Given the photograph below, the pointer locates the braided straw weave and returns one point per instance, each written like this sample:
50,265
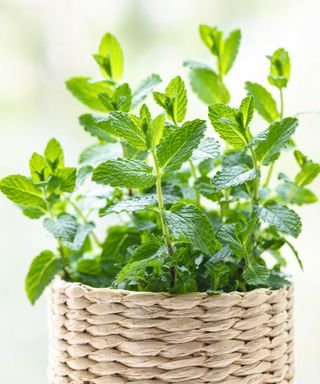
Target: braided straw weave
105,336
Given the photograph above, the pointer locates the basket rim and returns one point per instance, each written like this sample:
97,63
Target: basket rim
59,281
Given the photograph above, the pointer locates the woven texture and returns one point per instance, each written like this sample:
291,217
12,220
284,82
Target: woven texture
105,336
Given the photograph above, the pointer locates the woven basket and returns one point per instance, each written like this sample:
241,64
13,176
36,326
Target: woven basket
105,336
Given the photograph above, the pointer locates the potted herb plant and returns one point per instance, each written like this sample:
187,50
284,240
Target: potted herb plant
188,284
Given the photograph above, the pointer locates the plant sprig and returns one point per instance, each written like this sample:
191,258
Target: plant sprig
191,214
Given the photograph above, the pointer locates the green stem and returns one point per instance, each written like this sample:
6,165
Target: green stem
85,221
281,104
270,171
194,175
164,227
257,178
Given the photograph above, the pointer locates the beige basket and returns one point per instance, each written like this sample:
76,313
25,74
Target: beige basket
105,336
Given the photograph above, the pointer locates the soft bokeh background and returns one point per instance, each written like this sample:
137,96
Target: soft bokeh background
42,43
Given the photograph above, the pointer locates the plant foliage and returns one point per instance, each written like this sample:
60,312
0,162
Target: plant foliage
189,214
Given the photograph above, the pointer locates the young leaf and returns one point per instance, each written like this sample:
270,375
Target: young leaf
39,168
204,186
223,120
212,38
174,100
87,91
83,232
97,153
279,68
110,57
54,154
42,270
209,148
128,130
281,217
277,137
124,173
155,131
31,212
144,89
67,178
98,126
193,225
64,227
264,102
177,147
232,176
122,98
256,274
22,191
133,204
147,249
206,84
307,174
246,110
229,51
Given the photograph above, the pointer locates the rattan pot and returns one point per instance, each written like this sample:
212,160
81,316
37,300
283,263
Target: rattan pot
105,336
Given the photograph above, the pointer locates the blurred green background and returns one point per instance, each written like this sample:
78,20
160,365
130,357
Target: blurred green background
42,43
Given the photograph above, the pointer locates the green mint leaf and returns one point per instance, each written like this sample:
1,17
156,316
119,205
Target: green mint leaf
147,249
31,212
264,102
42,270
307,174
232,176
128,130
177,147
246,110
212,38
300,158
97,153
206,84
64,227
221,255
82,174
54,154
174,100
144,89
89,266
294,194
87,91
229,51
279,68
119,239
256,274
193,225
177,93
281,217
82,233
110,57
137,203
67,178
22,191
227,236
122,98
98,126
124,173
224,121
204,186
133,204
39,168
155,131
209,148
277,137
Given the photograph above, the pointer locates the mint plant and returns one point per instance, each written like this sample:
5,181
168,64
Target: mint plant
182,212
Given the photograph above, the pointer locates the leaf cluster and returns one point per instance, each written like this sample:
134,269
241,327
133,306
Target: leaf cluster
182,212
